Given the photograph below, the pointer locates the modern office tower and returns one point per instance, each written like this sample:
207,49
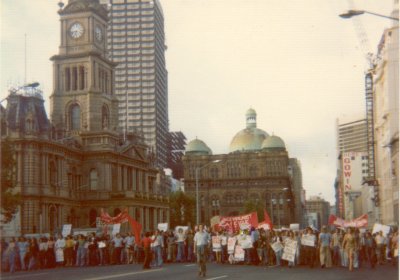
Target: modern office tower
351,135
352,173
136,41
176,143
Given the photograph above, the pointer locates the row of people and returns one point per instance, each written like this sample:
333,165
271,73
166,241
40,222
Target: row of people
350,249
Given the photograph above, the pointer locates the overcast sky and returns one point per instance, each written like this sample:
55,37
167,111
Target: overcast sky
296,63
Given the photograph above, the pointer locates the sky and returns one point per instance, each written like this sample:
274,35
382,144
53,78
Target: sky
295,62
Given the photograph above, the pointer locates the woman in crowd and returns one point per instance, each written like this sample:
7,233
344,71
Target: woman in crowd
262,247
146,242
216,247
50,255
33,254
59,250
22,249
43,252
349,244
189,243
171,246
180,240
277,239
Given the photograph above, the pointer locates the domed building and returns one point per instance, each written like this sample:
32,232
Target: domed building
250,138
256,169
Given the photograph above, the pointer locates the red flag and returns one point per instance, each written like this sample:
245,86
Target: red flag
267,219
136,229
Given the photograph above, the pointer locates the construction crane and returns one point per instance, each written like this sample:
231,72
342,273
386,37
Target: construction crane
369,98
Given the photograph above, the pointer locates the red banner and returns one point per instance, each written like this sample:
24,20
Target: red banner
359,222
232,224
122,217
267,219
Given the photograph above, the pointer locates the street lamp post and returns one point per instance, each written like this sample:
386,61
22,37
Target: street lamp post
352,13
278,202
197,189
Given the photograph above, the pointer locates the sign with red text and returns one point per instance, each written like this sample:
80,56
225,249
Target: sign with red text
359,222
234,224
354,170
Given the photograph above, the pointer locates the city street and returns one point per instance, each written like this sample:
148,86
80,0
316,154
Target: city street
189,271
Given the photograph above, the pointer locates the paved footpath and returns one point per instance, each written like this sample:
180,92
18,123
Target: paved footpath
214,271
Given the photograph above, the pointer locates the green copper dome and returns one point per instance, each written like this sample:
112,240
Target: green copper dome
273,142
197,146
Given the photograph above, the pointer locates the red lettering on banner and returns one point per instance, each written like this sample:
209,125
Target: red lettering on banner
232,224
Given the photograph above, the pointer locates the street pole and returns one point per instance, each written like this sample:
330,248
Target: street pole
197,197
279,210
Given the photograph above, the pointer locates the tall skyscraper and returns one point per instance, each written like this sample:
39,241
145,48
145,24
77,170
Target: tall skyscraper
352,173
352,135
136,41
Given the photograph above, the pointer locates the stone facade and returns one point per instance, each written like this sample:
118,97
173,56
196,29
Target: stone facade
71,167
257,170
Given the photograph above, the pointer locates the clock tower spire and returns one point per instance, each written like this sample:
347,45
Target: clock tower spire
83,99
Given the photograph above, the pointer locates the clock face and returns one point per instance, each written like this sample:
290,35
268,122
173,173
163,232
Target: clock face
98,34
76,30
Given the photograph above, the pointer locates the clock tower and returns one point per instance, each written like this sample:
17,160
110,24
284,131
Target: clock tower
83,99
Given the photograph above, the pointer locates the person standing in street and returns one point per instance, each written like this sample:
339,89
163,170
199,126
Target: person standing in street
349,245
146,242
324,243
200,243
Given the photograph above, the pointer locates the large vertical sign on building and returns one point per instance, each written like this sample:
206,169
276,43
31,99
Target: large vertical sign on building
354,172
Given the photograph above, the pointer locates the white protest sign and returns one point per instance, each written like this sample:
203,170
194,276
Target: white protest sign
66,230
277,246
246,242
162,227
289,251
116,229
294,227
231,245
265,226
378,227
239,253
308,240
216,243
184,228
101,244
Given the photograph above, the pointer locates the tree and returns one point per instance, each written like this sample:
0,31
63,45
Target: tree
10,198
181,209
251,206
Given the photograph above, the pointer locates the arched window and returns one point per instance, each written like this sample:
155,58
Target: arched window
93,179
75,117
92,217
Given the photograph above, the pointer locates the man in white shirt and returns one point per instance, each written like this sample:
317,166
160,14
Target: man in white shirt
201,240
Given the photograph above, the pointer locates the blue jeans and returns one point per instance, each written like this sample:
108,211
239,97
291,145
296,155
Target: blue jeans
80,257
22,260
180,257
158,256
11,260
278,257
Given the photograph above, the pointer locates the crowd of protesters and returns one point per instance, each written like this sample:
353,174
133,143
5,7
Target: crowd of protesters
341,248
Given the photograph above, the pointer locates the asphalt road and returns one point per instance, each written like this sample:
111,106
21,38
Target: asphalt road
214,271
